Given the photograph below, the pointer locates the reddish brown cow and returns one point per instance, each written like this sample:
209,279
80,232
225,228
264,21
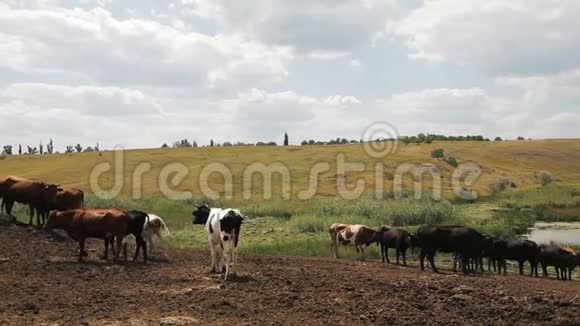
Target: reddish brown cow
360,236
38,195
81,224
69,198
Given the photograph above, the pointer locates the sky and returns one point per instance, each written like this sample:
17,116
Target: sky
140,73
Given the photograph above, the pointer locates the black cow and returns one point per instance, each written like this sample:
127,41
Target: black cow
563,260
495,252
464,241
137,220
521,251
391,237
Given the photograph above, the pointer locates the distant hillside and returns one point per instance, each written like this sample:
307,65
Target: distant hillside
519,161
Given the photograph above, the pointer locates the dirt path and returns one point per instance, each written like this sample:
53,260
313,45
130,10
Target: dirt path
41,283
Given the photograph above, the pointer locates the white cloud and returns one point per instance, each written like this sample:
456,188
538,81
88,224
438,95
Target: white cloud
354,63
499,37
323,26
129,52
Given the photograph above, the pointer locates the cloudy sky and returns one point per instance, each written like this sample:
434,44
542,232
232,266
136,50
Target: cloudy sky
139,73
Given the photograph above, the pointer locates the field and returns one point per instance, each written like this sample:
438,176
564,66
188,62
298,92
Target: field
285,276
43,284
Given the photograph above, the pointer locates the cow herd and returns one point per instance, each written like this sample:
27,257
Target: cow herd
468,246
60,208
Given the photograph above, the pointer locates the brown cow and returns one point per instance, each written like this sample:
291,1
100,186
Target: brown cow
81,224
360,236
69,198
38,195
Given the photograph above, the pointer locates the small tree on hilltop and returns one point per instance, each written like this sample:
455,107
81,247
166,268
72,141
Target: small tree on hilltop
41,148
498,139
50,147
78,148
69,149
285,139
19,149
7,150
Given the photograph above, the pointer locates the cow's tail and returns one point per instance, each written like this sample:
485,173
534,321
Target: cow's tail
82,199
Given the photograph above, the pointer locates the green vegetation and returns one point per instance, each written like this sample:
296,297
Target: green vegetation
300,227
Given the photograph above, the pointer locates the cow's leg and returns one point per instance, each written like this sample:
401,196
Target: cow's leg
521,266
504,264
118,244
404,253
387,254
455,262
362,252
422,259
8,205
149,239
105,256
464,264
557,272
31,215
545,270
431,258
81,248
398,255
213,257
227,260
143,245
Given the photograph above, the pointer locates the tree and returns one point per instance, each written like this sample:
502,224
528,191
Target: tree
521,138
164,145
497,139
7,150
19,149
32,150
194,143
78,148
421,138
69,149
285,139
304,143
50,147
89,149
211,143
41,148
438,153
97,147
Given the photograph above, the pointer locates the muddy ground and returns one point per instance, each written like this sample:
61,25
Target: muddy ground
42,283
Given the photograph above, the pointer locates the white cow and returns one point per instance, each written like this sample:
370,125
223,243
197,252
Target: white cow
223,231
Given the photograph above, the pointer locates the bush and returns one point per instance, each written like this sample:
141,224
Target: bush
451,161
544,178
438,153
3,156
501,185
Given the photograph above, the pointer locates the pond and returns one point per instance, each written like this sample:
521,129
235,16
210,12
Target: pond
557,232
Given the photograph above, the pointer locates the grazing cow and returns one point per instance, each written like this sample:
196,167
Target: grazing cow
401,240
521,251
81,224
155,227
463,241
360,236
563,259
495,253
38,195
223,230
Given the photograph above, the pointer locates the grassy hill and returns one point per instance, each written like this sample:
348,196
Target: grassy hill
517,160
297,226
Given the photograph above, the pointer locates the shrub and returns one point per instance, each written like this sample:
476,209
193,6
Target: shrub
451,161
3,156
438,153
501,185
544,178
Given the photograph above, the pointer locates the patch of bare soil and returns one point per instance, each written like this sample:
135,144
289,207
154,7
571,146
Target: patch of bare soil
41,283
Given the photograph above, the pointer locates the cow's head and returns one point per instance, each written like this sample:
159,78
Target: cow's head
50,192
201,214
53,221
230,225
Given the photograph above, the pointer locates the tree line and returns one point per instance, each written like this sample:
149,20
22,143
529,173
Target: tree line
47,149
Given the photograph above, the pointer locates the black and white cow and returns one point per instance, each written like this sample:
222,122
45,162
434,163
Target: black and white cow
223,230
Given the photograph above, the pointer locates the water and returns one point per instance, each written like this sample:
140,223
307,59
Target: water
557,232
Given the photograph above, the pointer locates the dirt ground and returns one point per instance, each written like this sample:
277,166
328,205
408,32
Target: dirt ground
41,283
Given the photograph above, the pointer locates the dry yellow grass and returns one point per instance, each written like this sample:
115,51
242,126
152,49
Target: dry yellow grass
517,160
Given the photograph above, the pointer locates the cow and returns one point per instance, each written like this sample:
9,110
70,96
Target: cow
392,237
223,233
358,235
520,250
38,195
495,253
155,227
463,241
81,224
563,259
137,222
68,198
